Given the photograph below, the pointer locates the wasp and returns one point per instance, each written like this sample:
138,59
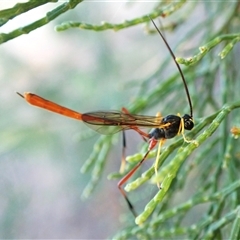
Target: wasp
162,127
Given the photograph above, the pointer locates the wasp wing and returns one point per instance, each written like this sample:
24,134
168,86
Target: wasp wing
109,122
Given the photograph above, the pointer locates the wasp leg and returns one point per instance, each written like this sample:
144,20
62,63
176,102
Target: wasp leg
161,142
143,134
123,160
124,180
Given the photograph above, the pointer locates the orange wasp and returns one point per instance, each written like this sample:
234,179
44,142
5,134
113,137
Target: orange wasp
162,127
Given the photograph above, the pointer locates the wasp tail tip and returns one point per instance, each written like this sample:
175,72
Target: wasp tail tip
20,94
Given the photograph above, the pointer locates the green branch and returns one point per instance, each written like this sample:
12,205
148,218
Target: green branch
165,216
233,38
4,37
20,8
164,12
168,173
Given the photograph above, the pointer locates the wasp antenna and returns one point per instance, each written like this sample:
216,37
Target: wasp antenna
179,69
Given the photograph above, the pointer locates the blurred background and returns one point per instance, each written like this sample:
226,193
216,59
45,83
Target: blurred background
41,152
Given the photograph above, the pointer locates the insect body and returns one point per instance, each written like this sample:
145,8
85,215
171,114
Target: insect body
109,122
171,126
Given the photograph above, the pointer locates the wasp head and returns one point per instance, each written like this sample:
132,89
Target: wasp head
188,122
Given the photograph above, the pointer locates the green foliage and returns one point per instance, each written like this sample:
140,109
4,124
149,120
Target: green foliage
20,8
203,174
234,38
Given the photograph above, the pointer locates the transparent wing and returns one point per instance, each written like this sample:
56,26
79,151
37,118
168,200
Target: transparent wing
115,121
